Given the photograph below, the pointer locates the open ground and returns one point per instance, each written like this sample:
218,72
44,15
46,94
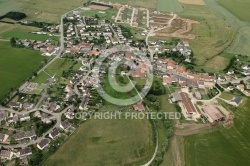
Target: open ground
193,2
169,6
107,142
225,146
16,65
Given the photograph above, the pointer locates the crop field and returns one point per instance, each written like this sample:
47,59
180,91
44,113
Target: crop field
56,68
224,146
107,142
239,8
169,6
7,6
26,35
16,65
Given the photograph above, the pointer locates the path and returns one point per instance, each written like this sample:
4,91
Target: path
132,17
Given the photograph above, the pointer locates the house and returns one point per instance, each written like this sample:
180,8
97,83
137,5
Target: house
171,65
65,125
230,72
212,113
139,107
236,101
45,118
25,135
28,106
176,97
3,137
230,88
197,95
167,80
84,102
43,143
6,154
24,117
240,87
13,119
25,152
180,70
3,115
15,105
54,134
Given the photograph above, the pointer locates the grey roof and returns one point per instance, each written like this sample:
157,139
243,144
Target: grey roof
25,151
44,143
237,99
176,96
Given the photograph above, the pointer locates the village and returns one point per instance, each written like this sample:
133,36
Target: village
36,120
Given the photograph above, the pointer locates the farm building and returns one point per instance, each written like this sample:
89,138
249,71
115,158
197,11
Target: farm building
212,113
187,104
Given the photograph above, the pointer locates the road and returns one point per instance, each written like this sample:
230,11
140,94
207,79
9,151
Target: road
132,17
151,32
235,80
147,18
56,115
114,33
118,13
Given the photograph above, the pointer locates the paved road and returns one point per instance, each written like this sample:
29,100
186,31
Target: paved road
235,80
118,13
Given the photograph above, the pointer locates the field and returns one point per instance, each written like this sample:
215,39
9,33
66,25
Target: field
16,65
6,6
107,15
26,35
242,39
107,142
193,2
240,8
142,3
56,68
98,7
224,146
169,6
213,36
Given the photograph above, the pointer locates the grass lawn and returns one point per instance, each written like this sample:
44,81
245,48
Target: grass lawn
7,6
107,15
26,35
169,6
227,96
141,3
56,68
16,65
107,142
224,146
239,8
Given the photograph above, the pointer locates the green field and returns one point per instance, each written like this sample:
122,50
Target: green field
56,68
225,146
169,6
7,6
240,8
106,142
26,35
242,40
141,3
16,65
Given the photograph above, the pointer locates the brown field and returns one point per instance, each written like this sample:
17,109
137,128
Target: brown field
180,28
98,7
193,2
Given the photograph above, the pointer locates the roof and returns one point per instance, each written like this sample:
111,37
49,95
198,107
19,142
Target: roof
187,103
25,151
5,153
237,99
181,69
176,96
65,124
24,135
44,143
3,115
167,79
139,107
212,112
2,136
54,133
240,86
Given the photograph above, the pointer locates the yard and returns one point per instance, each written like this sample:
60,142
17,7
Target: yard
16,65
26,35
224,146
107,142
57,68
